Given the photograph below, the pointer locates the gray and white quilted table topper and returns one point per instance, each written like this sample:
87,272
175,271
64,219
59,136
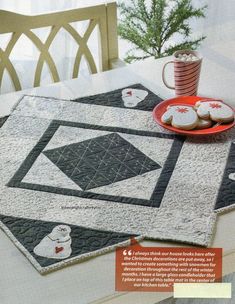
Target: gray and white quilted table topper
79,179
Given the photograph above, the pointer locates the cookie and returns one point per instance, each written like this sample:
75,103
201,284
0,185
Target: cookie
215,110
181,117
203,124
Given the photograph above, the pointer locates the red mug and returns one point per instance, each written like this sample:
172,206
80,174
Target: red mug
186,73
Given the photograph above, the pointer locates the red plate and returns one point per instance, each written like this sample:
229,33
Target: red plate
161,108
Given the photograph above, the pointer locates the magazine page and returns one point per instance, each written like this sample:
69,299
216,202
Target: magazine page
117,152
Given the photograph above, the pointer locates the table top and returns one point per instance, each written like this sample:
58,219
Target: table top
217,80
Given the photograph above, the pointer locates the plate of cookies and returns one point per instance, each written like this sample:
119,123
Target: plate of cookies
194,115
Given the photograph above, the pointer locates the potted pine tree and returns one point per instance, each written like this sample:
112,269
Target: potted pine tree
158,27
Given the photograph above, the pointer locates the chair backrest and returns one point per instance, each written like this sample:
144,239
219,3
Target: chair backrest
103,16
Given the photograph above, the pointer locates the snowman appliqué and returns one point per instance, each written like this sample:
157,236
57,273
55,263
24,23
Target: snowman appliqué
232,175
56,245
132,97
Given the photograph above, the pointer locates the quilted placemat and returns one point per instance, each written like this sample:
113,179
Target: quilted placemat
79,179
136,97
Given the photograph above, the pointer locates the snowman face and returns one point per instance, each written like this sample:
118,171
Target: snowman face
232,176
132,97
61,231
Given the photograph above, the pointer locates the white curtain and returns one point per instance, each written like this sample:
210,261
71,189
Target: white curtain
219,24
63,49
219,29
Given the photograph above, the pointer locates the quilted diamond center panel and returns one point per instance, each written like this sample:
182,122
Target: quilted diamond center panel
101,161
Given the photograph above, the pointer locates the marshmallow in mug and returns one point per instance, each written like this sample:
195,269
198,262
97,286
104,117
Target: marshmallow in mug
187,57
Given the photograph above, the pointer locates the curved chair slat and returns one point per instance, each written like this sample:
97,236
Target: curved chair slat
78,58
14,38
45,55
83,49
6,63
50,38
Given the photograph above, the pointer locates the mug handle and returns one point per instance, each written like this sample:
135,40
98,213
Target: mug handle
164,78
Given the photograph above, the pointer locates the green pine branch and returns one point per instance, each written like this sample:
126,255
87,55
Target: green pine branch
151,28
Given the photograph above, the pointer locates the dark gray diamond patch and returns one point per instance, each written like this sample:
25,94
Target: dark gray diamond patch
101,161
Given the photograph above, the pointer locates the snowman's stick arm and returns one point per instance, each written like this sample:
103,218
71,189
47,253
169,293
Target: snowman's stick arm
64,241
57,240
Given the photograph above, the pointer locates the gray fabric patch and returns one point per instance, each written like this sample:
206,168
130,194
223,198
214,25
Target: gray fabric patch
124,158
84,241
101,161
114,99
226,196
3,120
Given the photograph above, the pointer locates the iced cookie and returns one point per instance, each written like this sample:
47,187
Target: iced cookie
214,110
203,124
181,117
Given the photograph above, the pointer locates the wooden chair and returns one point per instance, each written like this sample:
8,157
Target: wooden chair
103,16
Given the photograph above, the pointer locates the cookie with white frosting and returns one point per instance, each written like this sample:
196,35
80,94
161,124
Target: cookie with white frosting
203,124
181,116
215,110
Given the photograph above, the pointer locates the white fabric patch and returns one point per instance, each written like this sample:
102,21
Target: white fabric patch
132,97
56,245
45,172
